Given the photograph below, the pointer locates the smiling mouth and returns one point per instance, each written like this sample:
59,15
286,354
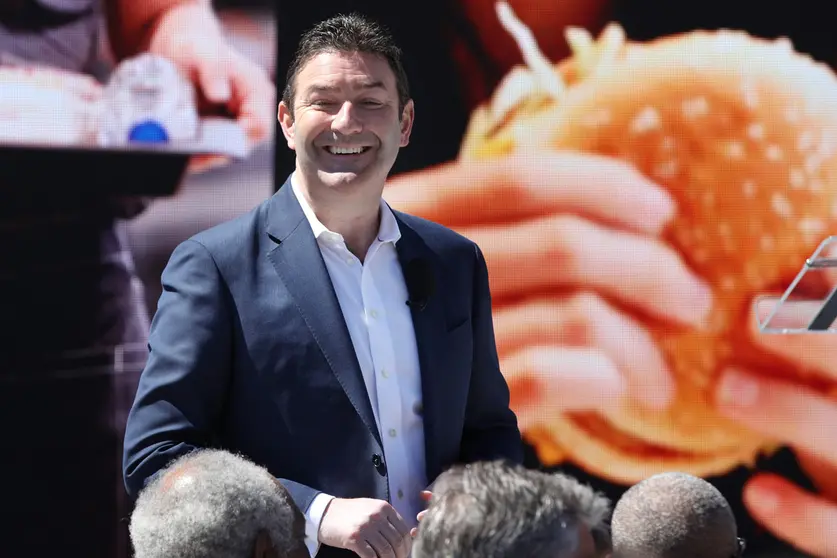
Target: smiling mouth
346,150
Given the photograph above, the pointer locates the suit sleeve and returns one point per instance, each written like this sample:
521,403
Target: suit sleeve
183,388
491,430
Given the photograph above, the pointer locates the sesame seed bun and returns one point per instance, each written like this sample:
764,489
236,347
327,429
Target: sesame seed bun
743,133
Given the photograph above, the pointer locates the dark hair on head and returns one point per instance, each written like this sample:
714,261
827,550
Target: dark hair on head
348,34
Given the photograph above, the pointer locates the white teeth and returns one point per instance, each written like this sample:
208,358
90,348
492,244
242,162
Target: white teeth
345,150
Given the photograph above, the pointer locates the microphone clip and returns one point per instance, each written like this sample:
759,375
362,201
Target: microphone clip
421,283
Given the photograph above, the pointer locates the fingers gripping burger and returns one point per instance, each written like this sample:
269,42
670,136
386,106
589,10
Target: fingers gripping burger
743,134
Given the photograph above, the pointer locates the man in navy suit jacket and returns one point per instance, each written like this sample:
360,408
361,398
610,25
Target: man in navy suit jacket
347,347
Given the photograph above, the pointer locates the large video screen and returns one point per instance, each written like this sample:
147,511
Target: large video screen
637,174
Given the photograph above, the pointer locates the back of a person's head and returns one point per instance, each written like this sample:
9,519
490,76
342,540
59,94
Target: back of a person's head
499,510
213,504
674,515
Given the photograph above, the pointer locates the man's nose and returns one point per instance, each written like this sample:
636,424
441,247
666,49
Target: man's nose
346,121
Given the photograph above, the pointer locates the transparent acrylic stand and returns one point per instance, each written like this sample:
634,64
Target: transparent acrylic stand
794,312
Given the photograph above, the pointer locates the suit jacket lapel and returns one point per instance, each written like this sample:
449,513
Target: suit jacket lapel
299,264
430,327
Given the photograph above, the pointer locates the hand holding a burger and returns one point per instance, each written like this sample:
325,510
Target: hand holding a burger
568,239
597,270
591,274
803,418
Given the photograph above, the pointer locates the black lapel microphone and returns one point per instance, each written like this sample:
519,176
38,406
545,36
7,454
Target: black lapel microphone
421,283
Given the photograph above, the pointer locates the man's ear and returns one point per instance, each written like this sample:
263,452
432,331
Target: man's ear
407,118
264,546
286,122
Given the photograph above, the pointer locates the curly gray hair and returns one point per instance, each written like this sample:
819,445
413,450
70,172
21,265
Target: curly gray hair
499,510
214,503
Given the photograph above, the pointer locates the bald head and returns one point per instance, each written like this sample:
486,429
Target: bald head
674,515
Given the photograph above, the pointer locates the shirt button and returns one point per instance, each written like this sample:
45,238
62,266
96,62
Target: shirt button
392,433
350,261
400,494
373,313
385,373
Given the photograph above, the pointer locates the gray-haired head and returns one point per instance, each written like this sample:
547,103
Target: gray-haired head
214,503
500,510
674,515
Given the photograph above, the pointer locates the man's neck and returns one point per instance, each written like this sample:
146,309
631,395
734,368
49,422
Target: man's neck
357,219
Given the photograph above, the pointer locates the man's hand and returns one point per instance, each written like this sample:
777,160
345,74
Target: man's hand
426,495
369,528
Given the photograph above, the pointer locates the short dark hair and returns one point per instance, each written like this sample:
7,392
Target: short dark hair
674,515
348,33
500,510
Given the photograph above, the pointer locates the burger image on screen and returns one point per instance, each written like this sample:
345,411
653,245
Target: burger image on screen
742,132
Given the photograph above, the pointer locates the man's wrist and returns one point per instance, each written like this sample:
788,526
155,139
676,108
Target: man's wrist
314,516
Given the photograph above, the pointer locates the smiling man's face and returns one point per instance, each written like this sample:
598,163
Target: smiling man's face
346,128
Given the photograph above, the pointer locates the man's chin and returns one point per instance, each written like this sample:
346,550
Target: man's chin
340,178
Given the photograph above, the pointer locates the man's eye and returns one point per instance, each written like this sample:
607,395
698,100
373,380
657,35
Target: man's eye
372,103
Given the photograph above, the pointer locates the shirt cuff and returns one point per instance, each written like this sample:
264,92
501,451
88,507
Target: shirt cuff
313,518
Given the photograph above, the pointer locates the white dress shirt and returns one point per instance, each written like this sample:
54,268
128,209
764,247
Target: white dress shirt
372,297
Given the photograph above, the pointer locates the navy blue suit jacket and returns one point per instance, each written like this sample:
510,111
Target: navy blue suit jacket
249,352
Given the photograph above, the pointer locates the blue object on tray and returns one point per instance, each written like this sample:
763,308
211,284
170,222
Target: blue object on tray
148,131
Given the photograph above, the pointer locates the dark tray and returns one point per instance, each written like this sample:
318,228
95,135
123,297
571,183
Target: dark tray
109,172
27,169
